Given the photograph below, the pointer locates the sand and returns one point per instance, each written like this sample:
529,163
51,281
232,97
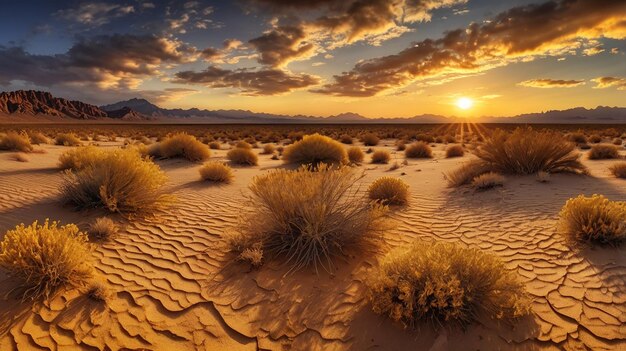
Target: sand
175,287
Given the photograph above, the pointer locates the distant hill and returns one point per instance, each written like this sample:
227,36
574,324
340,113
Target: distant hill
30,105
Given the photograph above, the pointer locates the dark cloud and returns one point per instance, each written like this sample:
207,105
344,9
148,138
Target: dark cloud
551,83
250,82
95,13
282,45
520,33
609,82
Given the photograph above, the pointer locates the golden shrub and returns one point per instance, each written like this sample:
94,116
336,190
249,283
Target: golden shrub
466,173
446,285
370,139
38,138
243,145
215,145
487,181
346,139
315,149
103,229
389,191
619,170
593,220
603,152
80,157
241,156
419,149
381,156
44,257
16,142
216,172
455,151
268,149
67,139
185,146
355,155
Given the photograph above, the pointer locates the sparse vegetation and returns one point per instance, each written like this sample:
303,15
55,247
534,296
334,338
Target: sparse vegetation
98,291
593,220
243,145
183,145
38,138
67,139
603,152
370,139
103,229
454,151
346,139
487,181
268,149
217,172
80,157
315,149
466,173
619,170
16,142
241,156
355,155
419,149
214,145
389,191
381,157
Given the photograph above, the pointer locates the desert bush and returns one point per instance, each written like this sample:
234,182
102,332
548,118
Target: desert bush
446,285
326,216
487,181
527,151
185,146
121,181
466,173
268,149
355,155
315,149
400,145
370,139
418,149
16,142
102,229
214,145
619,170
594,139
603,152
216,172
67,139
98,291
578,138
425,138
455,151
79,157
44,257
381,156
38,138
450,139
243,145
389,191
617,141
346,139
593,220
241,156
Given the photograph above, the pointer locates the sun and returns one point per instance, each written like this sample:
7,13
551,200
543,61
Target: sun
464,103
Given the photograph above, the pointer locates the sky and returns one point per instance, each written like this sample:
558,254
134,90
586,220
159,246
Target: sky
377,58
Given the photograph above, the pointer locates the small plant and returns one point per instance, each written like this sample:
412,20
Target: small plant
593,220
241,156
214,145
454,151
38,138
67,139
389,191
185,146
578,138
617,141
619,170
80,157
487,181
466,173
370,139
103,229
594,139
419,149
355,155
381,157
16,142
445,284
44,257
401,145
603,152
217,172
98,291
243,145
315,149
345,139
268,149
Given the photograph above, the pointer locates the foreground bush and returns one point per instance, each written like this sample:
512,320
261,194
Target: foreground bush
593,220
315,149
80,157
418,149
619,170
603,152
16,142
121,181
44,257
355,155
324,217
455,151
217,172
389,191
67,139
241,156
185,146
446,285
527,151
381,157
466,173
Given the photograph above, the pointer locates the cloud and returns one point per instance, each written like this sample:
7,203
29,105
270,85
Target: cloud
282,45
249,82
608,82
551,83
95,13
519,34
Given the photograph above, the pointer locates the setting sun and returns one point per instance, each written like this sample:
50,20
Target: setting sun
464,103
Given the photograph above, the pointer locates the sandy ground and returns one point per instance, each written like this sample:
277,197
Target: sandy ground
176,288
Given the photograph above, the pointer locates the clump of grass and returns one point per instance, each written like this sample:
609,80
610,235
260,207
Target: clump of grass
241,156
16,142
370,139
44,257
315,149
98,291
325,217
389,191
594,139
346,139
243,145
38,138
214,145
603,152
619,170
355,155
268,149
527,151
80,157
121,181
455,151
185,146
103,229
487,181
217,172
419,149
617,141
21,157
381,157
445,284
593,220
578,138
466,173
67,139
401,145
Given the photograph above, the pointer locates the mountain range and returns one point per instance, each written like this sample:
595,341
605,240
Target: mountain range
29,105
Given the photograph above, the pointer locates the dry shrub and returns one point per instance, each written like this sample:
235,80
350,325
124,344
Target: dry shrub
346,139
593,220
370,139
185,146
80,157
617,141
21,157
450,139
103,229
619,170
578,138
268,149
216,172
527,151
214,145
121,181
455,151
445,284
381,156
324,217
603,152
38,138
487,181
418,149
355,155
67,139
16,142
389,191
315,149
466,173
243,145
98,291
44,257
400,145
594,139
241,156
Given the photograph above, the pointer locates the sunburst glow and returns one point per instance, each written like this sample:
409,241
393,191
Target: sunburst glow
464,103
